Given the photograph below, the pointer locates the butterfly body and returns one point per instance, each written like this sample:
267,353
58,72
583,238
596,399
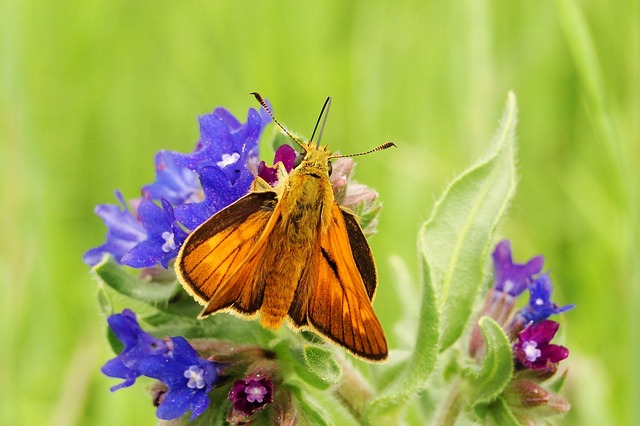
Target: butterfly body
290,255
295,234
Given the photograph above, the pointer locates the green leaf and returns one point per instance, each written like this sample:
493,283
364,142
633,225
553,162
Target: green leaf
125,283
322,363
456,238
453,244
489,380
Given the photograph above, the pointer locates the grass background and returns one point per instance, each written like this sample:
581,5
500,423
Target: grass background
91,90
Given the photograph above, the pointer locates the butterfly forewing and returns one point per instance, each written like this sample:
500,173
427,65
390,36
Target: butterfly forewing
339,306
222,244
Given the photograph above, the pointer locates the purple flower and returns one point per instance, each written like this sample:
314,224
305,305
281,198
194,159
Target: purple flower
540,306
138,345
176,184
164,236
510,277
251,394
533,350
124,231
188,377
285,154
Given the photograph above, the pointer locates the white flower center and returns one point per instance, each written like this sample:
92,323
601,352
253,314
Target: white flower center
255,393
169,244
508,286
539,302
194,374
531,351
228,159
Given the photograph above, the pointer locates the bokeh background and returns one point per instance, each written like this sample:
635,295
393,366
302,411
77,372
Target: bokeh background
91,90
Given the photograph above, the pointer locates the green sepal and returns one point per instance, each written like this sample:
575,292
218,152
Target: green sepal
457,236
557,382
496,371
497,413
116,345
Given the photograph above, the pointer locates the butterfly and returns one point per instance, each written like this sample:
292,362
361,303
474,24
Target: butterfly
290,254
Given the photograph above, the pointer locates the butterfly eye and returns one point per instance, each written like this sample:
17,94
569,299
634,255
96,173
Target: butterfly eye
330,168
298,159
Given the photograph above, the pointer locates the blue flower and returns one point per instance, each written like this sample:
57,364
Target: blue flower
164,237
225,143
188,377
124,231
176,184
540,306
509,277
219,192
225,159
138,345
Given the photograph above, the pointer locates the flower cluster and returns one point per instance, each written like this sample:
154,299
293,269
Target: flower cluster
188,189
528,327
187,379
175,363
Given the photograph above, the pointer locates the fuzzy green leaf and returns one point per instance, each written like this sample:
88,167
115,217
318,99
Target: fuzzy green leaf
489,380
125,283
456,238
453,244
322,363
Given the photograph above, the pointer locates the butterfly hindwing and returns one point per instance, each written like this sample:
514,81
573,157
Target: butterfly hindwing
223,244
361,254
339,303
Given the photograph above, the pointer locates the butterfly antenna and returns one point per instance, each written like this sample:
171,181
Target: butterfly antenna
323,116
264,105
377,148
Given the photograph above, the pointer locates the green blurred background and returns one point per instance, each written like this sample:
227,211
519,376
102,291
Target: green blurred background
91,90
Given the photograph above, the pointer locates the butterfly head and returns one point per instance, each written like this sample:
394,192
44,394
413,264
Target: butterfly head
313,157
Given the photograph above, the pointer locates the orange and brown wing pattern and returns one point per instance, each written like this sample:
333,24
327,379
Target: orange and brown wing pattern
340,301
221,245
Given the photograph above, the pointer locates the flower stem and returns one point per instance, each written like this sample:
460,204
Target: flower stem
450,411
353,390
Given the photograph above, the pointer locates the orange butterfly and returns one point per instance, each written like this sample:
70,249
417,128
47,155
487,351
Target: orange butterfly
289,253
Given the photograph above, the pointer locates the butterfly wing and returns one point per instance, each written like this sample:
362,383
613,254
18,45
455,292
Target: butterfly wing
221,246
361,254
338,286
